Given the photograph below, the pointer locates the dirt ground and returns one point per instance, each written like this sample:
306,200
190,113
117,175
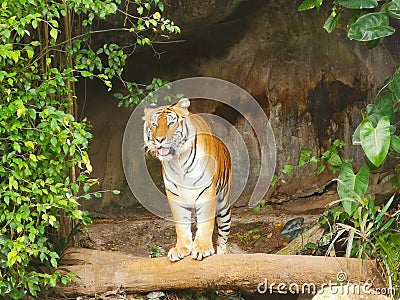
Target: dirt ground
251,231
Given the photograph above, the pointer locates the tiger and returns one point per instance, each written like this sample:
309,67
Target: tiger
197,171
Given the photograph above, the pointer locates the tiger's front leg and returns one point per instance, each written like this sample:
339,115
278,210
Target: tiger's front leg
205,213
182,218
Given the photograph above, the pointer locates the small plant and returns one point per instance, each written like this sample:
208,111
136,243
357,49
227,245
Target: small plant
330,159
157,252
252,234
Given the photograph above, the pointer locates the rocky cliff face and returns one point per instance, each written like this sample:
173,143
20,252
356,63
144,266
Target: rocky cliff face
311,84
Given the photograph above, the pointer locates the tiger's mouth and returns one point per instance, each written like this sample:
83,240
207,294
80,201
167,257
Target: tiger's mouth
162,151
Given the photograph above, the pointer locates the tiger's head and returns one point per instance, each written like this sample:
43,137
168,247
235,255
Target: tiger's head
164,132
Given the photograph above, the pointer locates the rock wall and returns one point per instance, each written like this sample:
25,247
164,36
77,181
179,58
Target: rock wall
311,84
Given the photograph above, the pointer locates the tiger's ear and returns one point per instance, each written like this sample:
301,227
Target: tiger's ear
183,104
149,109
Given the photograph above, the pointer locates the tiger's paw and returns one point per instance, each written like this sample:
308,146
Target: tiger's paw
200,252
177,253
221,249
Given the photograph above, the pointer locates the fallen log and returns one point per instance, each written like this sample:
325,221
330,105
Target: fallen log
102,271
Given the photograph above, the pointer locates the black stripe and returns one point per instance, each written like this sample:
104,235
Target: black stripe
170,181
189,156
194,155
172,192
224,215
202,175
198,196
225,222
224,230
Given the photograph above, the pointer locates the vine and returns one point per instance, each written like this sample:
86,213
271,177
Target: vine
44,164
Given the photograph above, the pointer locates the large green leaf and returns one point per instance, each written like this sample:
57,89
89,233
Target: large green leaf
393,9
396,85
384,106
375,141
395,143
370,27
352,186
358,4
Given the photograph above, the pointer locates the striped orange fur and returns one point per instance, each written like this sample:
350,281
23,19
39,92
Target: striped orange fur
197,172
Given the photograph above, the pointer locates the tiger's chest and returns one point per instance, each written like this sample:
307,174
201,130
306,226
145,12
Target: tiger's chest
188,176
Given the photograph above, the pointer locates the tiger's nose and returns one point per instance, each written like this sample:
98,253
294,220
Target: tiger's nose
160,139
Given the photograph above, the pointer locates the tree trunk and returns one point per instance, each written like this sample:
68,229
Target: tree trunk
102,271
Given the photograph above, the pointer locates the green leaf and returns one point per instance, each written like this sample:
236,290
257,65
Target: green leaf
352,187
287,169
370,27
304,155
356,140
33,157
75,187
332,21
34,23
357,4
385,105
30,53
86,74
77,214
335,160
320,169
395,86
17,294
20,112
375,141
384,210
53,262
30,144
17,147
53,141
395,143
309,4
157,15
12,183
393,9
54,33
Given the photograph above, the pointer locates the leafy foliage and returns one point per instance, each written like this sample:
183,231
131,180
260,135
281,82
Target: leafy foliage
44,165
362,25
358,227
329,159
